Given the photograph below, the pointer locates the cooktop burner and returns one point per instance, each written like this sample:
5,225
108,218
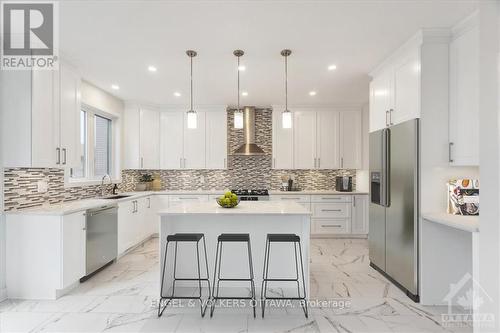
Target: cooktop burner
251,195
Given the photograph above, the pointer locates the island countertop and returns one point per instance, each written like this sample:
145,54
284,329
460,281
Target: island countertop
244,208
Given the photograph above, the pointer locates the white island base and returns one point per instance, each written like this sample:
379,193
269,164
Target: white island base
255,218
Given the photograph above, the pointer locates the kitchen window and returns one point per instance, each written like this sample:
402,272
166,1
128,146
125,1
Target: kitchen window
96,147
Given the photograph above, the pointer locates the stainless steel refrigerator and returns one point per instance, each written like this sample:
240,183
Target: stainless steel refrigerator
394,206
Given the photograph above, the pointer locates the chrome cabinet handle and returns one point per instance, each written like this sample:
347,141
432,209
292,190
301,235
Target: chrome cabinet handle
390,116
386,117
341,162
354,201
331,210
315,162
449,152
319,162
149,202
331,226
184,163
334,198
64,155
188,198
274,162
58,151
142,162
180,162
225,163
290,198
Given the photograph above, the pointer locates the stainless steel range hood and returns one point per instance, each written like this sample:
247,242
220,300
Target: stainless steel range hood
249,148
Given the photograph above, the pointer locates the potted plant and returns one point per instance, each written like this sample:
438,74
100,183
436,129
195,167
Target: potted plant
145,182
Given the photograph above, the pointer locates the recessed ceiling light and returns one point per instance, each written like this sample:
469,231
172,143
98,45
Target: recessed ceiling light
152,68
177,94
244,93
241,68
332,67
312,93
115,87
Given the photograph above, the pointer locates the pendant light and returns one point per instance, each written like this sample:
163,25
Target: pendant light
192,117
286,116
238,114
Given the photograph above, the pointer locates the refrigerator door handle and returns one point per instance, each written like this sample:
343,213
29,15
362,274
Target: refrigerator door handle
384,182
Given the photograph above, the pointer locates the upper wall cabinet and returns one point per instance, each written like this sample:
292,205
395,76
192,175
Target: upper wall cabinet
464,95
149,141
324,139
162,140
41,111
395,90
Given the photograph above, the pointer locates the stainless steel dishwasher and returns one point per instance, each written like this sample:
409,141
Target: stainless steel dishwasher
102,238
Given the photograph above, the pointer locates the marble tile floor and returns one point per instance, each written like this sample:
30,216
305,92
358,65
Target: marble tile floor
121,298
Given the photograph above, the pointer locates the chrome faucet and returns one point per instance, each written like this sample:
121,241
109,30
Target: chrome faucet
103,189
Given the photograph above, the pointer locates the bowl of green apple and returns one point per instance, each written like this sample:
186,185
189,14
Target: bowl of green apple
228,200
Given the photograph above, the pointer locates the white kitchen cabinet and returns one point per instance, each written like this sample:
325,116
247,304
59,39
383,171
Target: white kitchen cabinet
70,108
187,198
406,88
359,218
126,225
381,96
45,254
464,98
303,200
41,110
395,89
194,147
216,139
304,140
350,140
149,133
327,139
171,137
131,138
282,143
73,248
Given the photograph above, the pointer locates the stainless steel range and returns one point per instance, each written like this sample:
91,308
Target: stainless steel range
251,195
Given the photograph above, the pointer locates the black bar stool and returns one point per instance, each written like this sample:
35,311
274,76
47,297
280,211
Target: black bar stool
245,238
176,238
283,238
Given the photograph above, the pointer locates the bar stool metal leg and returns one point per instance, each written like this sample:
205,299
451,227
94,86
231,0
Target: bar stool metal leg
263,290
160,310
252,284
303,283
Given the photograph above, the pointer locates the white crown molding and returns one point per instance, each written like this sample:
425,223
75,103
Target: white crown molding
322,107
129,104
465,25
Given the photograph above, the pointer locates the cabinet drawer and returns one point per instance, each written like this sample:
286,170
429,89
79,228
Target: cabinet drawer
340,226
331,210
331,198
188,198
290,197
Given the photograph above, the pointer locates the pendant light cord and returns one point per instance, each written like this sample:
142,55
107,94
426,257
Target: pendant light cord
286,83
191,83
238,85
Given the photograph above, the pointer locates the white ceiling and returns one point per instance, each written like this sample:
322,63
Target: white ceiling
113,42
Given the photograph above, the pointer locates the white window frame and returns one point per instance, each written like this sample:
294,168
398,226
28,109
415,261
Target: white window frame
115,173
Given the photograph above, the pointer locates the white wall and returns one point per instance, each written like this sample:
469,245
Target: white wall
489,156
362,175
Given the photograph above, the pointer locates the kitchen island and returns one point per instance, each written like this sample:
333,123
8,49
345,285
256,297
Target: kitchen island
255,218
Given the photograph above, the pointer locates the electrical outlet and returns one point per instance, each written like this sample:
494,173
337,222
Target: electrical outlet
42,186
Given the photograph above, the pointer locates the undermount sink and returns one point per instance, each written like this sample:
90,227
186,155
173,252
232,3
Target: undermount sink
118,196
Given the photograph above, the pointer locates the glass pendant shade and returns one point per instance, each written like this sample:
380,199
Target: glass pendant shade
238,119
192,119
286,119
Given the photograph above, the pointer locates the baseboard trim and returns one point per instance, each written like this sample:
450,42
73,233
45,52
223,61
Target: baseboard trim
3,294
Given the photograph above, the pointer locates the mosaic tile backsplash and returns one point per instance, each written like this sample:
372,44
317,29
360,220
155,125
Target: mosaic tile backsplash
20,184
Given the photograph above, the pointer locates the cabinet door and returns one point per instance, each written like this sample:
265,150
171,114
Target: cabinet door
380,100
131,138
359,220
464,99
149,139
194,143
69,97
73,248
143,219
126,212
216,140
282,143
327,138
304,140
171,140
44,119
406,89
350,140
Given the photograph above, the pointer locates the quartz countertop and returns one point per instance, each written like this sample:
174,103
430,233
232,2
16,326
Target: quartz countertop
244,208
461,222
70,207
